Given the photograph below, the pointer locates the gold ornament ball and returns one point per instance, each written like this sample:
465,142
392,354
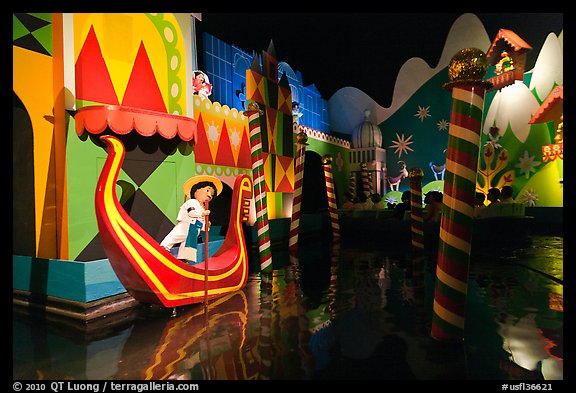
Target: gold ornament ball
415,173
467,65
327,159
253,106
301,137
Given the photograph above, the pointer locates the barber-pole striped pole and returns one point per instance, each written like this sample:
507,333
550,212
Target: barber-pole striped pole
333,287
416,218
332,208
367,187
352,184
301,140
466,71
263,229
419,289
293,276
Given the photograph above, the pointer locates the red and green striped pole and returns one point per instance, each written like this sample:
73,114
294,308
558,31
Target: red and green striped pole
416,217
263,229
332,208
301,140
466,70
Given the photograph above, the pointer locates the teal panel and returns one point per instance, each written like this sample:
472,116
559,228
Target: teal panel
213,246
101,280
65,279
71,280
21,268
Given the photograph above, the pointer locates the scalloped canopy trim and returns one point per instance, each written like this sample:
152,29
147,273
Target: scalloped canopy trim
122,120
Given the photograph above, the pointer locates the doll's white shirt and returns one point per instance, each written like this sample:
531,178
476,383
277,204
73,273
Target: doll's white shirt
196,210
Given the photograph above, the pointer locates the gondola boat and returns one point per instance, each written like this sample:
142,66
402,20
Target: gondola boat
153,275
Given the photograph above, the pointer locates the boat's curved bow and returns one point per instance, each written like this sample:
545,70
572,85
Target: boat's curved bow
149,272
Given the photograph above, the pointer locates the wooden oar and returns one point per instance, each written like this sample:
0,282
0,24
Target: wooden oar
206,231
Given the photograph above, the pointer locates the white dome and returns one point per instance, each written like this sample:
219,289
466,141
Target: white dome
367,135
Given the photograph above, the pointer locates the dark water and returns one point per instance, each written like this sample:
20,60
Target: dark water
347,312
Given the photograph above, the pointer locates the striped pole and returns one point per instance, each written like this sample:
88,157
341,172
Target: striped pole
332,209
366,180
416,218
352,184
301,140
253,114
419,289
293,276
333,287
466,70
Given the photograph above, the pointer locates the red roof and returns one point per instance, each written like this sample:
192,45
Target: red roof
552,107
512,39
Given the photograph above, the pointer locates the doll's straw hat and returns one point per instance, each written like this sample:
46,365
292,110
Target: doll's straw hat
198,179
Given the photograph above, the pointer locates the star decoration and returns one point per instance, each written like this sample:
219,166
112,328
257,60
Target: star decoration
401,145
529,197
391,199
526,164
443,125
423,112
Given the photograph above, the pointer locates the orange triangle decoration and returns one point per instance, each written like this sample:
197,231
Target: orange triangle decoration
202,153
284,175
267,172
235,130
93,82
142,90
224,155
213,126
255,87
284,100
244,155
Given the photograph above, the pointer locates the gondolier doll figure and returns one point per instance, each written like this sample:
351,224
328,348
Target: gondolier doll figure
193,216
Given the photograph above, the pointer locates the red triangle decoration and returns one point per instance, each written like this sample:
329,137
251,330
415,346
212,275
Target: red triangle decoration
224,156
245,155
142,90
284,185
93,82
201,149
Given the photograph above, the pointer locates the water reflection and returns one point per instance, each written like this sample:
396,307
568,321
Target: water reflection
332,312
524,291
192,345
